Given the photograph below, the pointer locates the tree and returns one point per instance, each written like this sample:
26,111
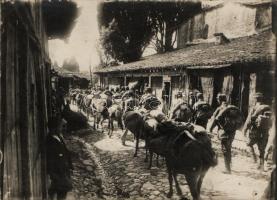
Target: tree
71,65
127,28
166,17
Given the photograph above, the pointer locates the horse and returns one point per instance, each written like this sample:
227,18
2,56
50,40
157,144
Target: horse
75,120
115,113
79,100
133,121
100,112
186,152
183,113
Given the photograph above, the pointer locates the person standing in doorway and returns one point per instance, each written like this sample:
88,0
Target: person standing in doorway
58,160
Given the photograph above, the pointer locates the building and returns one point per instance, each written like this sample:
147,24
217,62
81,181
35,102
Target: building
66,79
227,48
25,93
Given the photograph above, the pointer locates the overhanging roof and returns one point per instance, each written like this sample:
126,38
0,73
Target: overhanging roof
59,17
255,48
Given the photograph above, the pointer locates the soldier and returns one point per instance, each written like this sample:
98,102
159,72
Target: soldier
228,118
58,160
178,102
257,126
202,111
191,99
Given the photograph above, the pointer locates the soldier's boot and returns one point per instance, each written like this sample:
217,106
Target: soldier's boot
227,163
261,164
253,154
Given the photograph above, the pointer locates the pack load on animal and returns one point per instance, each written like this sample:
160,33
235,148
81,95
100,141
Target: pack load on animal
261,118
151,102
204,111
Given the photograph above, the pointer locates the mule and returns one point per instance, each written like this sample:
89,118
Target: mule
185,153
75,120
133,122
100,112
115,113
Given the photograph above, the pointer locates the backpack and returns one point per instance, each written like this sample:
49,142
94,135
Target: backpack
261,118
230,118
204,111
151,103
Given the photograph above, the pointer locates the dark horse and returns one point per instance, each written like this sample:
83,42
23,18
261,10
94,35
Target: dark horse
75,120
187,151
134,122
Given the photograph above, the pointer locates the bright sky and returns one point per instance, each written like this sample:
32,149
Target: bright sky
83,39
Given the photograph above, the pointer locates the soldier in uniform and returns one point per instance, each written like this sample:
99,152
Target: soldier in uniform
202,111
58,160
179,101
228,119
257,126
191,99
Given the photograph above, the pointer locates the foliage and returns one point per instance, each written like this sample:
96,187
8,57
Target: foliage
125,33
127,28
71,65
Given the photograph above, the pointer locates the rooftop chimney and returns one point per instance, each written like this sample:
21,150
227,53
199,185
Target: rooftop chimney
221,38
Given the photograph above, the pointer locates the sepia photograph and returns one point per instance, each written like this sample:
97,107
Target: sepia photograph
138,99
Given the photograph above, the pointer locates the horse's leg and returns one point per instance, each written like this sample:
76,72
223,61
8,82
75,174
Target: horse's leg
170,180
253,153
101,123
94,122
200,181
109,127
150,159
146,154
120,123
137,146
191,178
157,160
112,127
178,189
123,138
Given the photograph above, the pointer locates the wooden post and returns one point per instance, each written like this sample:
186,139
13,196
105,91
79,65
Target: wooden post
90,75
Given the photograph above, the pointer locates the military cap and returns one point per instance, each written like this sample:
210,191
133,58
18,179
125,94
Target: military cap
179,94
221,97
199,95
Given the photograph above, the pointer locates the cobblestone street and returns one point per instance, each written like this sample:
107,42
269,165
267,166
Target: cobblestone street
106,169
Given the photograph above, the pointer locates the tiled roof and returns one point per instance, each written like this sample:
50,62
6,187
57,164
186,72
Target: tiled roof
68,74
260,47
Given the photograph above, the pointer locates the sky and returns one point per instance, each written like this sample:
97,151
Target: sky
83,39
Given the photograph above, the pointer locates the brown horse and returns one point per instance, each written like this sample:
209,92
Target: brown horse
100,112
186,152
115,113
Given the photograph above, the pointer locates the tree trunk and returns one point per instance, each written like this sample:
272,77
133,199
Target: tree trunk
168,37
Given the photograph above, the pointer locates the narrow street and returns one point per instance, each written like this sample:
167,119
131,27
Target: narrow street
104,168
